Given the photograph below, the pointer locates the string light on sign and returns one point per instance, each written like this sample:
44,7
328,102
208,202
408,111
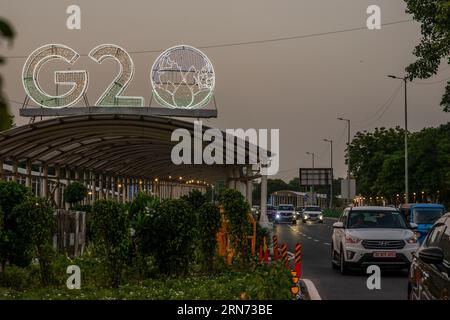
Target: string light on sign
183,77
34,63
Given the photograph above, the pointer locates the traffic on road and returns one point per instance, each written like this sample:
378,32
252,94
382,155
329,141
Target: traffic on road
338,252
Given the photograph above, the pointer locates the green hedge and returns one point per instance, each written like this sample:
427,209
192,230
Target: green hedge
263,283
333,213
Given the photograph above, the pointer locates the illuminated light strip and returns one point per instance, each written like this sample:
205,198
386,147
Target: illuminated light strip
111,96
182,77
34,63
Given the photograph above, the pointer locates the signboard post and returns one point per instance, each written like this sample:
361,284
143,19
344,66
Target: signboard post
316,177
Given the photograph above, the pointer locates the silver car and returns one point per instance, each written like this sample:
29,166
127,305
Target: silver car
312,213
366,236
286,214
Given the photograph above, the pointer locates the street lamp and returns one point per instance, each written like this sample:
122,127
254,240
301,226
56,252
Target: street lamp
405,80
348,152
312,154
331,166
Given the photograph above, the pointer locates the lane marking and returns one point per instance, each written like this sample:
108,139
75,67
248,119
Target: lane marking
316,240
327,243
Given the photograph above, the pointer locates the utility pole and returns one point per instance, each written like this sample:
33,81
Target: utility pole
405,81
348,153
312,154
331,166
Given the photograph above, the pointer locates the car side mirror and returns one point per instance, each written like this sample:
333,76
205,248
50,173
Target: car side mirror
431,255
338,225
413,226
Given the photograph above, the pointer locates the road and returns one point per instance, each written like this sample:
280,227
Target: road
316,266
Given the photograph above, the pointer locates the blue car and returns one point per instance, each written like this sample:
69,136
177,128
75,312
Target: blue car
422,214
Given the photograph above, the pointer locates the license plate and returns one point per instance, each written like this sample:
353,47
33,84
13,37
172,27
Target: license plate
384,254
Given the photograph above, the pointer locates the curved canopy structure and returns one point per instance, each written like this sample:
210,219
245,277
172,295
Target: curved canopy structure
119,145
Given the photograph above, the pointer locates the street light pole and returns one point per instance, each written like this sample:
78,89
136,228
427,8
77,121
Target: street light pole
348,152
405,81
312,157
331,166
312,154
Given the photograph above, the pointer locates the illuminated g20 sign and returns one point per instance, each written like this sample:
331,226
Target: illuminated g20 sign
182,77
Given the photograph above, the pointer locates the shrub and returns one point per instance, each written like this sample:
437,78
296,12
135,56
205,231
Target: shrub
74,193
145,209
195,198
140,204
16,278
36,224
236,211
12,247
175,230
262,232
111,232
208,225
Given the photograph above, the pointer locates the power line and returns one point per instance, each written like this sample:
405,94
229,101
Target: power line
387,106
262,41
382,108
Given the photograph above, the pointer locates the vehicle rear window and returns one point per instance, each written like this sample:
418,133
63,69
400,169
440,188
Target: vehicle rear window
426,215
312,209
285,208
376,219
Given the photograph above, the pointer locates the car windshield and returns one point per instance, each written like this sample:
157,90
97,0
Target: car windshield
312,209
426,215
376,219
269,207
285,208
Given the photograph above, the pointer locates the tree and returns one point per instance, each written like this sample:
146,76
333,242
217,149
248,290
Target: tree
195,198
434,15
208,226
175,231
368,151
37,225
12,245
378,163
6,119
74,193
236,211
111,231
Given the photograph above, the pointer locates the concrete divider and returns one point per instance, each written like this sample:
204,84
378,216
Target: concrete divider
312,290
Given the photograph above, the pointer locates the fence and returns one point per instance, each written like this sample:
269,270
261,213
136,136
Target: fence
70,236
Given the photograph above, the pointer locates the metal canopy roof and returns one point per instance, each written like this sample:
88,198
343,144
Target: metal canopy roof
122,145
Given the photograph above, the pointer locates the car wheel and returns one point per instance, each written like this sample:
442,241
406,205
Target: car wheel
333,256
342,264
320,221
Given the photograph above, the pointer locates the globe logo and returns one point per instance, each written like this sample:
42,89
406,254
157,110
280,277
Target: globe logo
182,77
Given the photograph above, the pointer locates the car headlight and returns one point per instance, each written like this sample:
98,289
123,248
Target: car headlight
413,239
351,239
277,216
320,217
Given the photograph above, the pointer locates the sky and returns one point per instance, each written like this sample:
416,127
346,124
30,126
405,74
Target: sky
299,86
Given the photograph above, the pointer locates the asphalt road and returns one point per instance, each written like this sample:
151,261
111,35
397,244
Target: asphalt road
330,283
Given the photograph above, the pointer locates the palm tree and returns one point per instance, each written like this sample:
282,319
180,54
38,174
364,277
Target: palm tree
6,119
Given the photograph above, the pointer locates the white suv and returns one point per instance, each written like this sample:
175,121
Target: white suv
372,235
